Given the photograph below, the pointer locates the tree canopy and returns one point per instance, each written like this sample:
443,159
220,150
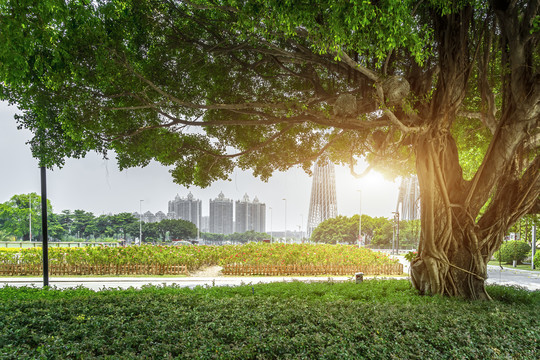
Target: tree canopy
378,232
21,216
447,89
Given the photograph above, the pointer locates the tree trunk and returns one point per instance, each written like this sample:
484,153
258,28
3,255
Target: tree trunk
453,251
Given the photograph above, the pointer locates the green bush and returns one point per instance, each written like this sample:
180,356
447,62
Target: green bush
537,259
512,250
372,320
411,255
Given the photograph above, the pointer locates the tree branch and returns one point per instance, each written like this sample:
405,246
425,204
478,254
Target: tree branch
357,67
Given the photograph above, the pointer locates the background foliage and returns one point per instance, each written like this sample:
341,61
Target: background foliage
513,250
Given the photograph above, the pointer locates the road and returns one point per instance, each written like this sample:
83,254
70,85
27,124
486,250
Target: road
99,283
524,278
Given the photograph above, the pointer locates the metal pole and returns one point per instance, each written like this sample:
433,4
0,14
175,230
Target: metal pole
140,222
302,228
360,242
30,238
44,234
533,245
271,234
397,233
198,224
285,219
394,233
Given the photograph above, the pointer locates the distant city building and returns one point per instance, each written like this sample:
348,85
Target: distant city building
205,224
189,209
160,215
250,215
409,198
323,202
148,217
221,215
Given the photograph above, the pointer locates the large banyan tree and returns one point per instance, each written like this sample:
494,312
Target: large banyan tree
449,90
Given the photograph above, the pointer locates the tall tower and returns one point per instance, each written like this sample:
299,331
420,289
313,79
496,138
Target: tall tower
323,203
409,198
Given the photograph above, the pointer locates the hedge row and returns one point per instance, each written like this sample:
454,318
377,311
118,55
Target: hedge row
372,320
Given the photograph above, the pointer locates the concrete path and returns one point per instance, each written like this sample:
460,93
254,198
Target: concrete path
99,283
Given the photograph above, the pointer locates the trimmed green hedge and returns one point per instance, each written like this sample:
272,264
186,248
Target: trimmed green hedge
372,320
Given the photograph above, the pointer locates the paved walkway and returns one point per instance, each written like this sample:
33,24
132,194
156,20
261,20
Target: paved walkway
99,283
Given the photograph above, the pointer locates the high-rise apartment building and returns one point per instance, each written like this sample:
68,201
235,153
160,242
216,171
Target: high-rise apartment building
189,209
250,215
160,215
221,215
205,224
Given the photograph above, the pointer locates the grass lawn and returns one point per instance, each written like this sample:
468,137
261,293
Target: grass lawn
509,266
372,320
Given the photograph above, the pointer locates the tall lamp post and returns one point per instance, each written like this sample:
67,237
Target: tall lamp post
360,239
271,237
30,203
302,228
198,222
44,226
285,219
140,222
396,237
533,245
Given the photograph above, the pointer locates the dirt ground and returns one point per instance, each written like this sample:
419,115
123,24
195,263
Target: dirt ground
210,271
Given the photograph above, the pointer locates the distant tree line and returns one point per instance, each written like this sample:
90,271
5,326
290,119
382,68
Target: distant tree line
20,218
81,225
378,232
247,236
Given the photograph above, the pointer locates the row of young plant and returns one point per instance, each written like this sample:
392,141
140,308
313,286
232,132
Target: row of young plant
196,256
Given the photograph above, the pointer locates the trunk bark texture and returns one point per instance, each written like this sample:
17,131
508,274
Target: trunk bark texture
452,260
453,254
458,239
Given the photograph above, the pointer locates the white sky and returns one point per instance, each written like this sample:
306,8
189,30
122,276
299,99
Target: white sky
96,185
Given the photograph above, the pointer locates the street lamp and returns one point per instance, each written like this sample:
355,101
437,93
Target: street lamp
140,222
285,219
360,239
396,232
302,228
30,202
271,237
198,222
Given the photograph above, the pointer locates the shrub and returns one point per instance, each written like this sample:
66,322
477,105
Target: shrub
537,259
383,319
512,250
411,255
